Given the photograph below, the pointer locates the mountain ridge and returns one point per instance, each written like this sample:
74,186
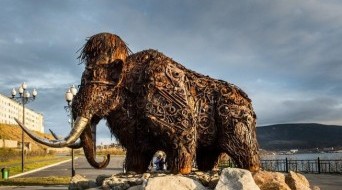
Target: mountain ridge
299,136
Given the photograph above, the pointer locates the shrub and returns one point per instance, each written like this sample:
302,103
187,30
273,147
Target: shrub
112,151
9,154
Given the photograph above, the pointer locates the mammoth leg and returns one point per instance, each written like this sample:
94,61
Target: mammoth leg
183,152
183,160
236,123
242,146
207,158
137,161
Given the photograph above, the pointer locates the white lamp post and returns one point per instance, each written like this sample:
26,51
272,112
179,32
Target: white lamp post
23,98
69,95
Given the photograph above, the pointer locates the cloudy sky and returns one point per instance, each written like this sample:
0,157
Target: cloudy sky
286,54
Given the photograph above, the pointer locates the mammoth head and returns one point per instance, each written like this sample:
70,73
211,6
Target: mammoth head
103,55
103,48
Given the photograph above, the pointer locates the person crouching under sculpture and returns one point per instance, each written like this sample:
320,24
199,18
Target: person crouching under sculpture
159,163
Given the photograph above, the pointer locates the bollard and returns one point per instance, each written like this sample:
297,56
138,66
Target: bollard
286,165
124,167
318,165
5,173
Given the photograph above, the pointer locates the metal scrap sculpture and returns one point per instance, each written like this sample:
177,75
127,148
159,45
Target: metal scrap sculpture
153,103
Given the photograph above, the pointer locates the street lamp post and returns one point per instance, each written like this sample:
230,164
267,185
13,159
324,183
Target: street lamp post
69,95
23,98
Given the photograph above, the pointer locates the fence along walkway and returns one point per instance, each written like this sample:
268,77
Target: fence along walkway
305,166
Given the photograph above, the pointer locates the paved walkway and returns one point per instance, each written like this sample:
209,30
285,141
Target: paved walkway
82,167
325,181
40,169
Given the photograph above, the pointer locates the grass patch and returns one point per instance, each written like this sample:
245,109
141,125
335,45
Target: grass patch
32,181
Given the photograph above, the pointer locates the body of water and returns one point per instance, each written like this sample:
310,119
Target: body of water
307,163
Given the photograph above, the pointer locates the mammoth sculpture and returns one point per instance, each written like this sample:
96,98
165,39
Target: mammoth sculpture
153,103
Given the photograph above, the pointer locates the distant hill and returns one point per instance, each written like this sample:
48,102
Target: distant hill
299,136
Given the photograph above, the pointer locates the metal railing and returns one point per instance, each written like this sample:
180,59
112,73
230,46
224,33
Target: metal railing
305,166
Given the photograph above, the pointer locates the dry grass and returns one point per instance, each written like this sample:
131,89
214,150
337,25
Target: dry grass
14,132
32,181
112,151
11,155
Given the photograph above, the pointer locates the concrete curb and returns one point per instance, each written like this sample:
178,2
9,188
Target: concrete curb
42,168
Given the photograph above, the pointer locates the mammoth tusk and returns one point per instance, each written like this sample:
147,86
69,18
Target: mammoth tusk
76,145
75,133
54,135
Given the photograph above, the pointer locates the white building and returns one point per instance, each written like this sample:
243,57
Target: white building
10,109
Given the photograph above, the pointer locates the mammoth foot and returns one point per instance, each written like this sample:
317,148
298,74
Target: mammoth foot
183,163
184,167
251,163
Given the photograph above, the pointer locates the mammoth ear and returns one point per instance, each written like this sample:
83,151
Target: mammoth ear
116,70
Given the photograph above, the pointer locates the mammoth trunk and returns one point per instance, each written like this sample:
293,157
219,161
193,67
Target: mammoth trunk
97,96
98,92
89,148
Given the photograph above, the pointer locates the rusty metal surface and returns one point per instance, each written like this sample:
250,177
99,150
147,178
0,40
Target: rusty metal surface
153,103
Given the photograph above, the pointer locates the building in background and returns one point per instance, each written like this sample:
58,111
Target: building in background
10,109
